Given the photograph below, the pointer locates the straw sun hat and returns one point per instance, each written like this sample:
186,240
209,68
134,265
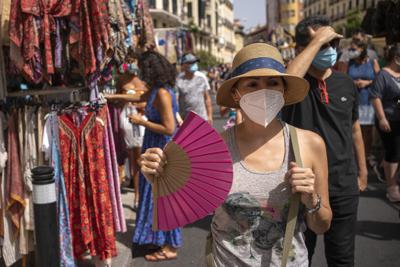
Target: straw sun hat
261,60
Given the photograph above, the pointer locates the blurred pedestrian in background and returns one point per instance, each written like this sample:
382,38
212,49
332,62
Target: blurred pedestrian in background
362,70
385,94
193,89
159,76
347,53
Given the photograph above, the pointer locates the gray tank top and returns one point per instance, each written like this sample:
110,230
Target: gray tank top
248,228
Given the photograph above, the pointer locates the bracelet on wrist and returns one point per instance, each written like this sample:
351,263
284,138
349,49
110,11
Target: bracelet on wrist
316,207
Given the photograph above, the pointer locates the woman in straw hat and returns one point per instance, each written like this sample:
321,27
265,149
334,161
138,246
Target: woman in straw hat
248,229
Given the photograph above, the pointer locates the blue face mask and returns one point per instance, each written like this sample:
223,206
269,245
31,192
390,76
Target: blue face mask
194,67
325,58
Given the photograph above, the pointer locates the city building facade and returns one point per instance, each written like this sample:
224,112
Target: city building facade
273,13
336,10
166,13
291,12
239,35
211,23
285,13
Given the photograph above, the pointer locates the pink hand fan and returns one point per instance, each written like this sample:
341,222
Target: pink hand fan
197,177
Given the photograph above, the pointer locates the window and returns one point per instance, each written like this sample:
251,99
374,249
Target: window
152,3
292,13
350,4
357,2
365,4
189,10
166,5
202,9
209,21
216,21
174,6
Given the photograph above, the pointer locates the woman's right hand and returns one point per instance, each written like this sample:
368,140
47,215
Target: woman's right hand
152,163
384,125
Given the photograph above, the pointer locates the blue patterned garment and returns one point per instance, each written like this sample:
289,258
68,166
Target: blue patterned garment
66,252
143,231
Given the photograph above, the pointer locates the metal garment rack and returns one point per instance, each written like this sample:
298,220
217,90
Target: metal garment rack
48,91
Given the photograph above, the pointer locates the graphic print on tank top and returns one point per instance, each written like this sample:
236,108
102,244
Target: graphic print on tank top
249,227
258,223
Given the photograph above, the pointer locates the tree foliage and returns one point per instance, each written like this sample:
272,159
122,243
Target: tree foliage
206,59
353,22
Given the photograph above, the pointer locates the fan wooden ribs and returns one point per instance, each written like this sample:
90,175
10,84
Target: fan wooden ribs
197,176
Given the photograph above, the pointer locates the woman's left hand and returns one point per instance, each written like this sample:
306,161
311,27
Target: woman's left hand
302,181
135,119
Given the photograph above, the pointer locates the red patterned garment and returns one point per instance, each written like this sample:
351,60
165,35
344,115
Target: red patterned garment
25,43
94,38
27,35
14,184
83,161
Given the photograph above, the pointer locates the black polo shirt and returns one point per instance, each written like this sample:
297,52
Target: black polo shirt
333,121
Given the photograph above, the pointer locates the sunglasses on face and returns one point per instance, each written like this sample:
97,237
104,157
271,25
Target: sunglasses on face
334,44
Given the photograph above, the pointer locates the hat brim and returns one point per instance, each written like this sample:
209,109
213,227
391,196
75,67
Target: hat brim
295,91
191,62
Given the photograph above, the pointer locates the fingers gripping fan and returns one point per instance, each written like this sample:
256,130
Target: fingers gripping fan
197,176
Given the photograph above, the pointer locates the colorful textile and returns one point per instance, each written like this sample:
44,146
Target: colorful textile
147,35
113,178
51,147
14,185
84,168
30,22
144,220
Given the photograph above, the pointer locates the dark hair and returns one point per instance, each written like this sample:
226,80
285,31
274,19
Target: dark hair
360,32
156,71
302,35
363,45
392,52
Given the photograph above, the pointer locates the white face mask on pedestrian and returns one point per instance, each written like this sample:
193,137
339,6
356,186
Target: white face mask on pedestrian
262,106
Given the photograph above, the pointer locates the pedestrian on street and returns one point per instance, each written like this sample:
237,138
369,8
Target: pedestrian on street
193,89
248,228
348,52
362,70
159,76
331,110
385,94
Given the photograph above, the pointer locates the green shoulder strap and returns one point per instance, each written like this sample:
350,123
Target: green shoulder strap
294,202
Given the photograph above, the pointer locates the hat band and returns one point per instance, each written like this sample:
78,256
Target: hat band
258,63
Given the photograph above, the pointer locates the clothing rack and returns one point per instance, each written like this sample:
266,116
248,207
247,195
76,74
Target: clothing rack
51,91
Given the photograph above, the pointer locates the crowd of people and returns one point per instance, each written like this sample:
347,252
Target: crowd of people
337,100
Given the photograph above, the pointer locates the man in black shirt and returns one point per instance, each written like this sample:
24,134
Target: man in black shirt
331,110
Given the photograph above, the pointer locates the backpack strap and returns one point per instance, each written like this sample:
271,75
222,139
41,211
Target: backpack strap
294,202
